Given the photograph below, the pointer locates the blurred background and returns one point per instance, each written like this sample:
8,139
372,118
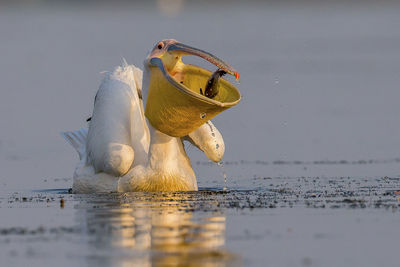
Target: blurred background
320,81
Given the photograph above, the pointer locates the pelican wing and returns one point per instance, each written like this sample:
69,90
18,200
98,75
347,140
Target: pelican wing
118,135
208,139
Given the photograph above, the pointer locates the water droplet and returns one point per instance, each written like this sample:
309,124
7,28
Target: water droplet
225,178
221,165
202,115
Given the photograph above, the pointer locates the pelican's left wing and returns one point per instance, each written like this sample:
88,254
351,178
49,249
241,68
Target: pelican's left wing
208,139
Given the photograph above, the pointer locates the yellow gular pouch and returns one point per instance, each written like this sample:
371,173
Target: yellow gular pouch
175,104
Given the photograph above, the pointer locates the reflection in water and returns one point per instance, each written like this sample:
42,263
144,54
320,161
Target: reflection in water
153,229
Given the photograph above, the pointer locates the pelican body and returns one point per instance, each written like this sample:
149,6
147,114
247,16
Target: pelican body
120,151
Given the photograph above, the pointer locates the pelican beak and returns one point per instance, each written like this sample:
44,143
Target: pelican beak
183,49
175,103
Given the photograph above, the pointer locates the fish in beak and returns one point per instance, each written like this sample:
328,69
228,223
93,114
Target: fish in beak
211,89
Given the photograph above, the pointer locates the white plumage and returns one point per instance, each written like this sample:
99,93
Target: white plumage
120,152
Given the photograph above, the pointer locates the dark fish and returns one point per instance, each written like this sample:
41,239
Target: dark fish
211,89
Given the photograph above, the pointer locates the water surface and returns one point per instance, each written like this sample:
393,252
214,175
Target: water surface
312,151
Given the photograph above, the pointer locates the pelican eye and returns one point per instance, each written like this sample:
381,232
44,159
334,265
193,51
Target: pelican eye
160,45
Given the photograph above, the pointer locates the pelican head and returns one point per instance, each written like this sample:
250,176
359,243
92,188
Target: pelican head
175,104
170,51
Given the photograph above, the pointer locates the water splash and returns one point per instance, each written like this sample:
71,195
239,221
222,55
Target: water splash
221,165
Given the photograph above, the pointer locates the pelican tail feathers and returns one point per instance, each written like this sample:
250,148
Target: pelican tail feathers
77,139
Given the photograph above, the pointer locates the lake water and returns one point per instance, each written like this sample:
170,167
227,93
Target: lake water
312,161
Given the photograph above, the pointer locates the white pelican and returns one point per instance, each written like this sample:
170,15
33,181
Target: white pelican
120,151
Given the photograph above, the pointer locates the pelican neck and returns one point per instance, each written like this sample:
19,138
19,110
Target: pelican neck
166,153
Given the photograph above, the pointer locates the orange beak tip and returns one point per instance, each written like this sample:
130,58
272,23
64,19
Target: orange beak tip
237,75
